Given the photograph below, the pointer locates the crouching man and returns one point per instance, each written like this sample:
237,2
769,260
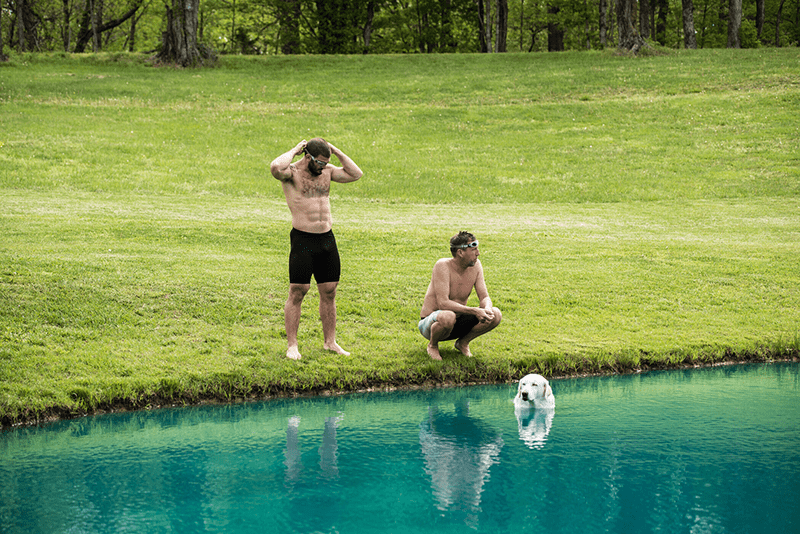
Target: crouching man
445,314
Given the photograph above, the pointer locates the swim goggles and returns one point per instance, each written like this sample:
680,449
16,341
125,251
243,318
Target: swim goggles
474,244
318,163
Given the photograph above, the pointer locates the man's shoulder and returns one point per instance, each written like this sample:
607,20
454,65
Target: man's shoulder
442,263
286,176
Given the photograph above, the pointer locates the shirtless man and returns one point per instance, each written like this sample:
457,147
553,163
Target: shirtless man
445,314
306,185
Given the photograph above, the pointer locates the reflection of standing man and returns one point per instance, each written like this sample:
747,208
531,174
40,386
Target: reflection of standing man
445,314
306,186
328,451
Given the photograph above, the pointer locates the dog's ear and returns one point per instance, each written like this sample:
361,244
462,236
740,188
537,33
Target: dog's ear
544,391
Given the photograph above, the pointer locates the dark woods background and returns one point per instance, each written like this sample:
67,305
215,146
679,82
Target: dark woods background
393,26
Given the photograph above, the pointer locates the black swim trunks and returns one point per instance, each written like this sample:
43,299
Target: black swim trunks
464,323
313,254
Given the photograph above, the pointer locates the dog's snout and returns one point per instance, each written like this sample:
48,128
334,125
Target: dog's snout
524,395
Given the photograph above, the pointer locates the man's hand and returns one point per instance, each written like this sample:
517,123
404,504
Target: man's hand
301,146
485,315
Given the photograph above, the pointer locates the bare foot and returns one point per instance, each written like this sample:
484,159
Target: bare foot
335,348
292,353
433,352
464,349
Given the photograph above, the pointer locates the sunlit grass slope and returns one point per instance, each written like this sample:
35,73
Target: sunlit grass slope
632,213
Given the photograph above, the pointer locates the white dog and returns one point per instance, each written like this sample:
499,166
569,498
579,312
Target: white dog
534,391
534,407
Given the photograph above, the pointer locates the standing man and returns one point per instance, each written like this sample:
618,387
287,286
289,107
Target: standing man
445,314
307,185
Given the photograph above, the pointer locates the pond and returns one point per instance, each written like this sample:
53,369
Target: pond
703,450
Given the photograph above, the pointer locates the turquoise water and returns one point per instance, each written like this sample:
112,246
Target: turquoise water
707,450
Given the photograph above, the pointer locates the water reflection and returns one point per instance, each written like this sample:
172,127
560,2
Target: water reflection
328,450
459,450
713,450
534,425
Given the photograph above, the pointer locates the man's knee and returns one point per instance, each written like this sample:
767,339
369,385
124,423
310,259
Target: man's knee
297,292
327,290
498,316
446,319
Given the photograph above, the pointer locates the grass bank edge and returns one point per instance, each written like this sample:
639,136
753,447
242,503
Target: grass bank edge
251,383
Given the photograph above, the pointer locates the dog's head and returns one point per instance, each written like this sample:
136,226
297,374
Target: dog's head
535,389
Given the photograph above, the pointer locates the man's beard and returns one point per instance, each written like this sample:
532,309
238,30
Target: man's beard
314,170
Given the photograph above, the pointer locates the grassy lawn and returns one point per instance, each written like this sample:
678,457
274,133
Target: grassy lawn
632,212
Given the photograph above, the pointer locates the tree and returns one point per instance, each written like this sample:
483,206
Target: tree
603,22
27,22
3,56
645,12
289,21
90,28
662,9
179,43
502,26
629,37
759,18
485,25
734,23
338,26
689,35
555,31
778,23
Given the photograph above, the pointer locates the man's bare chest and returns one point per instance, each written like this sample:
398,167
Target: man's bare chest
461,285
312,186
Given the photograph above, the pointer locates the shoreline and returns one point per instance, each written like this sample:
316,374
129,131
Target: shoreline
55,414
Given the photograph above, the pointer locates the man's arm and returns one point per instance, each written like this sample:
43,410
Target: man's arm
482,292
348,172
280,165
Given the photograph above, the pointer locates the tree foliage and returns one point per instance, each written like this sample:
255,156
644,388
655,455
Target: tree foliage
398,26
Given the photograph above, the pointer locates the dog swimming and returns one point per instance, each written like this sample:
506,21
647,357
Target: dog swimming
534,391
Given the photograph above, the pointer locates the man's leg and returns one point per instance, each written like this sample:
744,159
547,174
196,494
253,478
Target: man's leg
327,314
462,344
440,329
291,317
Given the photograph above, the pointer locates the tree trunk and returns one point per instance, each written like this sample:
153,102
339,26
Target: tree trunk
21,25
689,36
66,33
629,38
487,25
603,23
555,33
661,21
447,42
759,18
179,44
367,33
132,34
734,23
502,26
289,19
645,12
778,24
3,56
95,40
482,31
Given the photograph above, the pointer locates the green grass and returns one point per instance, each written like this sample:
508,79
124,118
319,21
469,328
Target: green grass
633,213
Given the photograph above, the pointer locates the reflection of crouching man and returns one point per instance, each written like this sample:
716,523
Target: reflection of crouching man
445,314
